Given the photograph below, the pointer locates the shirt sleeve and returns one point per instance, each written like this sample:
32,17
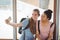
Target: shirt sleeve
25,23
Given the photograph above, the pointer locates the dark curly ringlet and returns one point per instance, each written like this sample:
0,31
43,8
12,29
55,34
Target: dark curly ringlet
48,13
37,10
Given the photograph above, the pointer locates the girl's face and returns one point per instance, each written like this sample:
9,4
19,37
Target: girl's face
35,15
44,17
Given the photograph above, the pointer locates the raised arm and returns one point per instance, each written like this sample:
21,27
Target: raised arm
7,21
15,24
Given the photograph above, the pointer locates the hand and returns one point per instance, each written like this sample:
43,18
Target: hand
49,39
38,35
37,32
8,20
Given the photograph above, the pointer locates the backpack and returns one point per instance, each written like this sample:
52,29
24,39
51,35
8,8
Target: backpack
20,28
50,27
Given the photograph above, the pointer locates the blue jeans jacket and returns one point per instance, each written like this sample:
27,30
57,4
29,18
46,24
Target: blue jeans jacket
26,34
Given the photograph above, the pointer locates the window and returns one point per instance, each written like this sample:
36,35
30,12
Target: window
6,10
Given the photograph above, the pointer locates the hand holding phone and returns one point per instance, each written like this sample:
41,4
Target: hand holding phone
8,20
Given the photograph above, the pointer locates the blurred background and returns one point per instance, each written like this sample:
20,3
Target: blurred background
23,9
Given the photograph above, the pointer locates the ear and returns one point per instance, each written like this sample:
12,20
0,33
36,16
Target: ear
48,18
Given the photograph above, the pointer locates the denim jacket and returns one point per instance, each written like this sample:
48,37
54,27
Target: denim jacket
26,34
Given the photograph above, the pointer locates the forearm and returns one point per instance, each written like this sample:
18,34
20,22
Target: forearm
15,24
50,36
12,24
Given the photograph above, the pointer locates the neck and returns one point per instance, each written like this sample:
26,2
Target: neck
33,19
46,21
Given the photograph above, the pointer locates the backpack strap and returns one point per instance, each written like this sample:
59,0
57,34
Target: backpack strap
27,25
49,31
20,28
51,25
38,26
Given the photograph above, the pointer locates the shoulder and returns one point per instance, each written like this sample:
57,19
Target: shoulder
51,24
27,19
25,22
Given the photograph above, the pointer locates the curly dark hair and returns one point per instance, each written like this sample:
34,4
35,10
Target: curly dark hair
48,13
